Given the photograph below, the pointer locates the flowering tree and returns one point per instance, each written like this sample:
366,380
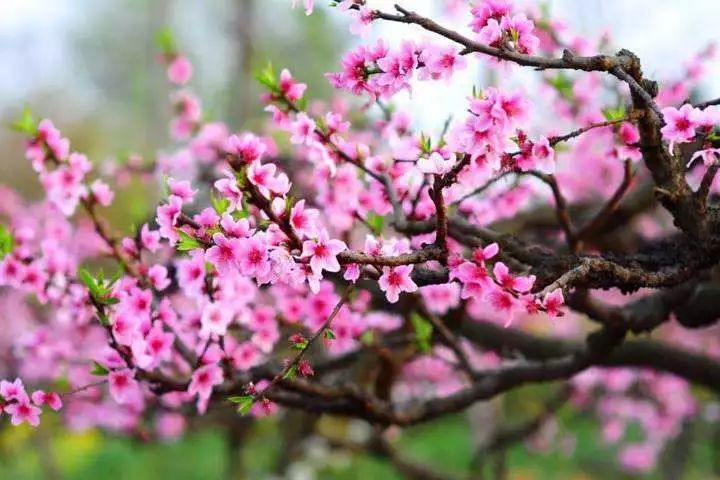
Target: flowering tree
277,263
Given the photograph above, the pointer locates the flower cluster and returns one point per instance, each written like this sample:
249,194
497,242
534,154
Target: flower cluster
382,72
498,27
343,236
24,408
684,124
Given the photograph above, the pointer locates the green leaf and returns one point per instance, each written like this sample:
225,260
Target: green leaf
26,124
166,41
187,242
289,203
99,370
7,243
425,143
89,281
220,204
291,373
368,337
562,83
423,331
244,403
266,77
328,334
614,114
376,222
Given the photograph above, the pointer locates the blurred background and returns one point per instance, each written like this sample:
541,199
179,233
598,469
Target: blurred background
92,67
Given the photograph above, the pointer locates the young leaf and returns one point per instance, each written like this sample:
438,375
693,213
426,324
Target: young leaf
165,40
291,373
99,370
244,403
423,331
187,242
266,77
220,204
89,281
6,241
563,85
328,334
614,114
376,222
26,124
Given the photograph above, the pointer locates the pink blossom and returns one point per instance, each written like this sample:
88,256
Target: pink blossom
303,130
397,67
263,176
204,379
638,458
629,133
216,318
362,18
440,62
480,255
441,298
225,254
543,155
191,273
473,276
521,32
13,391
352,272
489,9
506,280
436,164
158,276
125,327
180,70
235,228
709,156
553,301
395,280
170,426
23,412
181,189
323,252
680,124
159,344
167,216
248,148
491,34
305,369
150,239
102,193
123,386
51,399
289,87
304,220
503,302
253,256
246,356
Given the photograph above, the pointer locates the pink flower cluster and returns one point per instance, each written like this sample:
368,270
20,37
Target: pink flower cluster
497,27
504,292
683,124
24,408
61,172
382,72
